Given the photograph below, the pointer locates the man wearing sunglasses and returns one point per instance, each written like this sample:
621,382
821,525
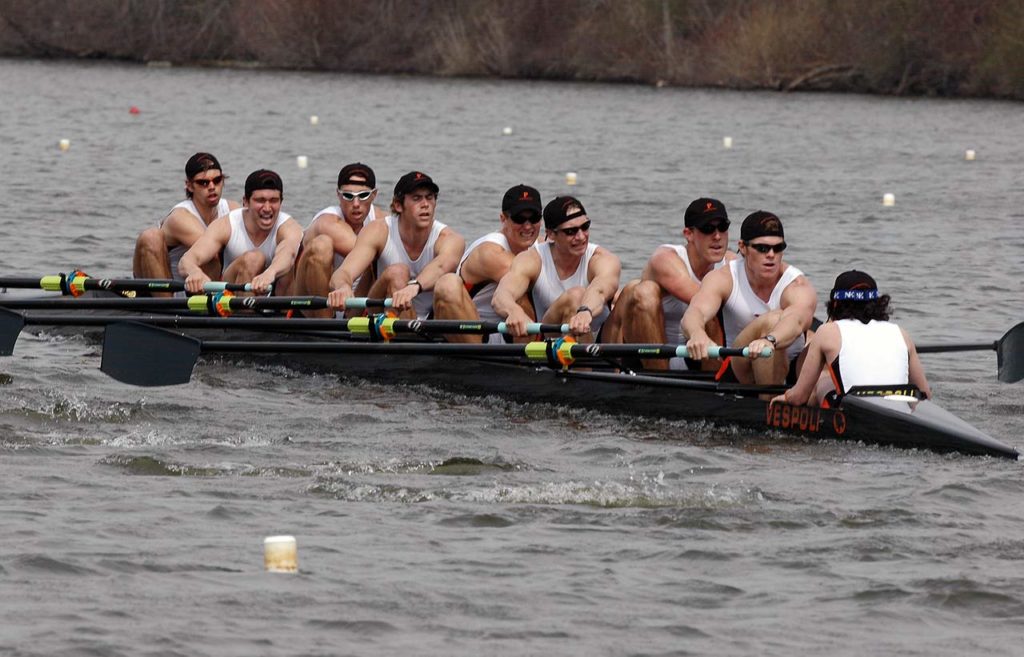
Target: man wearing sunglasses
257,241
409,251
650,309
570,280
764,302
467,293
158,250
332,234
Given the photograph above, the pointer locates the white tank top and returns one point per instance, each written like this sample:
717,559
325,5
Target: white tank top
174,253
336,211
549,286
239,241
482,297
394,253
674,307
743,305
871,354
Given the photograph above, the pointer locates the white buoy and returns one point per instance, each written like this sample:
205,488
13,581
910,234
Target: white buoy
507,130
302,161
314,120
726,142
64,144
969,155
570,178
280,554
888,200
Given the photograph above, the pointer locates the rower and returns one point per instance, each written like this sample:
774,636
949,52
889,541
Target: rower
158,250
258,240
765,303
650,309
467,293
857,346
409,251
332,234
570,280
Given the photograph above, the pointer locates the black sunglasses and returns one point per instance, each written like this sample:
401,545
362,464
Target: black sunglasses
585,226
709,229
209,181
523,217
765,248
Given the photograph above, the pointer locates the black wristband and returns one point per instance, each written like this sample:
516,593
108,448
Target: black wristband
586,308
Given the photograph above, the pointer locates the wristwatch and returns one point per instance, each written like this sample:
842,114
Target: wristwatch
586,308
413,281
771,338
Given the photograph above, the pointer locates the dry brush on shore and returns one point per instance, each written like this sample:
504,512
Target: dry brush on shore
934,47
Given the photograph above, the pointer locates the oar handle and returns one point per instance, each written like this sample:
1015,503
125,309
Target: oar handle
360,303
536,328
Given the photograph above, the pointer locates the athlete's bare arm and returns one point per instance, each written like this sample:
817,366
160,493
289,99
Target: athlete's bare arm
916,374
525,271
205,249
289,236
821,350
487,263
371,241
714,291
603,271
448,250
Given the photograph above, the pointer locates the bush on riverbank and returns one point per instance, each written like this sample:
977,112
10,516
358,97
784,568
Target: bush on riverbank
935,47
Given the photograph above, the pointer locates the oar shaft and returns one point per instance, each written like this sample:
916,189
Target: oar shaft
56,283
940,348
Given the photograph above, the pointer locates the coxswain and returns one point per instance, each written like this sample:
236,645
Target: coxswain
857,346
765,304
408,251
258,240
570,280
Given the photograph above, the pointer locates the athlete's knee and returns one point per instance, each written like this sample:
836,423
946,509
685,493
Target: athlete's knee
396,275
151,240
646,297
251,262
448,288
320,249
574,295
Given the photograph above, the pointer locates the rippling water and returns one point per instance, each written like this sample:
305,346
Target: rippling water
432,524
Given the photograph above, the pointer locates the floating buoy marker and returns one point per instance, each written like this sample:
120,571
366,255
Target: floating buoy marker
314,120
969,155
507,130
64,144
570,178
302,161
888,200
280,554
726,142
133,110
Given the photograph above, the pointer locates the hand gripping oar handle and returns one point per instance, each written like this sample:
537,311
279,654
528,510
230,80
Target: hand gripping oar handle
361,303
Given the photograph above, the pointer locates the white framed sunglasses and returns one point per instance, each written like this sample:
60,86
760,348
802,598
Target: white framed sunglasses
362,196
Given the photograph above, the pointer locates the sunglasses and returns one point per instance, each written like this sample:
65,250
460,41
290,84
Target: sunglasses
765,248
709,229
523,217
362,196
585,226
208,181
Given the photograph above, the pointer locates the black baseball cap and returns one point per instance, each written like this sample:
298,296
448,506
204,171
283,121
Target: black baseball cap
557,212
761,224
415,180
199,163
703,210
854,285
263,179
520,198
356,169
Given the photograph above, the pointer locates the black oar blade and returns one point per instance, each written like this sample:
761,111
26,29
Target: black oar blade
148,356
11,324
1010,355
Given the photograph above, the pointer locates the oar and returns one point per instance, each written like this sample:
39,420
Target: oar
218,303
73,286
148,356
378,327
1008,350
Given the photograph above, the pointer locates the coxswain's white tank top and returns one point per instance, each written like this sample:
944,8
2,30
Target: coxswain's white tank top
871,354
